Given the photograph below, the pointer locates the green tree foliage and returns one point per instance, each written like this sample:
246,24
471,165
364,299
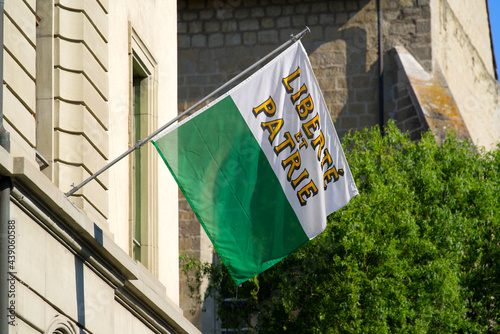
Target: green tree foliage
418,251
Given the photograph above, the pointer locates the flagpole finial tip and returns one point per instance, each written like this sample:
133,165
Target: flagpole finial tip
300,34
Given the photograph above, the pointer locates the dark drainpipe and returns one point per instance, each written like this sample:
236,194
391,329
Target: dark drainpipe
380,69
4,270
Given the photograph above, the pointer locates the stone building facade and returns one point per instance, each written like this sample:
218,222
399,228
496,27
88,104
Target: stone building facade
435,56
82,80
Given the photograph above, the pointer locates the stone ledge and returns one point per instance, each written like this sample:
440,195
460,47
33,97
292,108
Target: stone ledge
162,306
33,181
431,97
6,166
106,257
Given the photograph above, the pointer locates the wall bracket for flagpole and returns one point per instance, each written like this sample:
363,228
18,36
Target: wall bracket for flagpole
292,40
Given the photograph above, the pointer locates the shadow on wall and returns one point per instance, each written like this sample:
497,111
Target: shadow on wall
349,84
80,293
219,39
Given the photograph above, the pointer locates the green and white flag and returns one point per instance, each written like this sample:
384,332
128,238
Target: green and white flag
262,166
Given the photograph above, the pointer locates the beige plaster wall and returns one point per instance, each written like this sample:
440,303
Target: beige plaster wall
76,48
46,268
473,16
66,93
462,49
54,284
155,23
19,76
67,272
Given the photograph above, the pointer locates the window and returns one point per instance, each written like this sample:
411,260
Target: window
143,162
61,325
226,324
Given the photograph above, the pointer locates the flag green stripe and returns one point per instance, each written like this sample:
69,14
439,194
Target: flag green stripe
232,189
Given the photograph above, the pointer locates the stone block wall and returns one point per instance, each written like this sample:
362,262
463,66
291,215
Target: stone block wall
218,39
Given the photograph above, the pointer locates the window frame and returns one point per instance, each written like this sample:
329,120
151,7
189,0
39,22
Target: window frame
143,120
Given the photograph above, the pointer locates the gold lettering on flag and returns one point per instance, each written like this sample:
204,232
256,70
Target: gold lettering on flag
311,135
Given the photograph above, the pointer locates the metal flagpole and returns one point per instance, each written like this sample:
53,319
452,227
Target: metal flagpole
188,111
